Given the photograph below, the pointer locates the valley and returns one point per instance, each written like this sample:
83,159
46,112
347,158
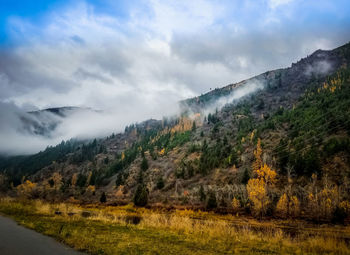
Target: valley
261,166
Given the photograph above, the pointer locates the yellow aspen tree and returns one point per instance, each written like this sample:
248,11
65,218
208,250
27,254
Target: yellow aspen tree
328,200
282,206
57,179
257,153
162,152
88,179
46,186
258,188
313,200
288,206
74,179
289,169
236,205
345,205
312,204
267,174
26,189
118,194
294,206
91,189
252,136
257,194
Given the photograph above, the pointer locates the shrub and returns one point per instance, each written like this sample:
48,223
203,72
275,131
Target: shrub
339,215
81,181
211,204
160,183
51,183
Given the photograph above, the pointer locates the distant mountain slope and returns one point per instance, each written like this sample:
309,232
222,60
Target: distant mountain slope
44,122
60,111
292,80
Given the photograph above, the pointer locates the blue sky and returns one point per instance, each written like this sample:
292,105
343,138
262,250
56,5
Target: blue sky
36,11
25,9
293,14
136,59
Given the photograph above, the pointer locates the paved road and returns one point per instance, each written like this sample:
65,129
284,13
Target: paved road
17,240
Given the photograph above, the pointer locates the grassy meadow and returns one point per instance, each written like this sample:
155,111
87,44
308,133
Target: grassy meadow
127,230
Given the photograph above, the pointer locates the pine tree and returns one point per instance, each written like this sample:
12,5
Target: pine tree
160,183
141,195
119,180
212,200
194,126
144,164
245,177
202,195
103,198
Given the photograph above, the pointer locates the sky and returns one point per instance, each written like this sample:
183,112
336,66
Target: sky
136,59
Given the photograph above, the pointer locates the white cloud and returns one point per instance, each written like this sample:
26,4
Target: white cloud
139,67
277,3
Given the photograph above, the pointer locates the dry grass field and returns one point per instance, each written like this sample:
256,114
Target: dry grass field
99,229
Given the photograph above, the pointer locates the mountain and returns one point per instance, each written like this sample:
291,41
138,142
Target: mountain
291,81
298,116
44,122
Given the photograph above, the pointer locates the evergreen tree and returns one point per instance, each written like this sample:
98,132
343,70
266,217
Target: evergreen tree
140,177
81,181
194,126
141,195
144,164
103,198
51,183
202,195
160,183
119,181
211,204
246,176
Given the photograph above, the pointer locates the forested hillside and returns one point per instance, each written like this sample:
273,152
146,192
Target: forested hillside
282,149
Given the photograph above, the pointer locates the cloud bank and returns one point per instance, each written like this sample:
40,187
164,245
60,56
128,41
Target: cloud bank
138,65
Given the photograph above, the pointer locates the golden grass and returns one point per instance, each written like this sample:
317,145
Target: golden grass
208,232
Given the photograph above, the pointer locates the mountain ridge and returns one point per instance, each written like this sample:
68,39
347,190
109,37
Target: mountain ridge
307,66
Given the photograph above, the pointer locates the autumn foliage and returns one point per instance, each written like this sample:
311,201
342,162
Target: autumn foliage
258,187
26,189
